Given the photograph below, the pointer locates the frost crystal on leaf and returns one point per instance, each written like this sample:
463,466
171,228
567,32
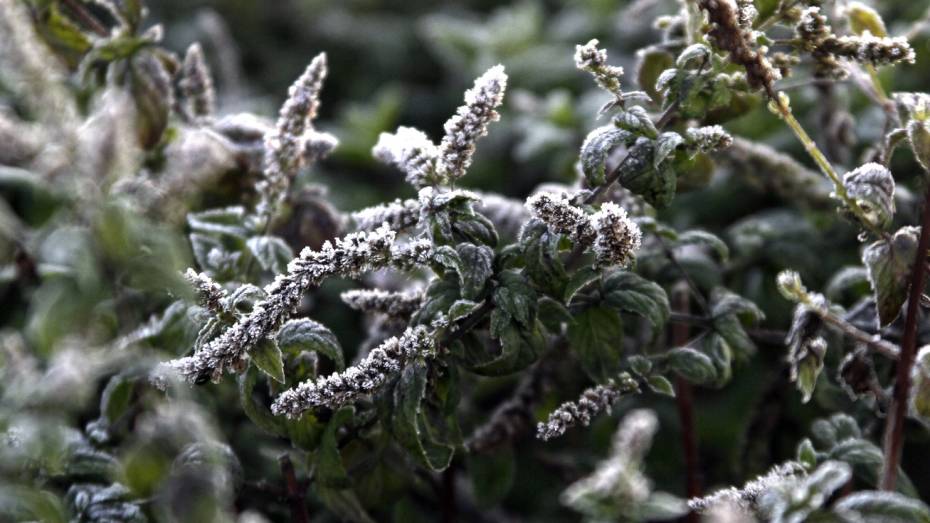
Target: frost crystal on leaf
387,360
872,186
471,122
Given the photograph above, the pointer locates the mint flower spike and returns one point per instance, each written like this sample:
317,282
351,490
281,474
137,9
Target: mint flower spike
592,402
594,61
561,216
411,151
293,141
350,256
196,84
470,122
368,375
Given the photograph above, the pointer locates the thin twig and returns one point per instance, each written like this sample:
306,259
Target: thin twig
293,490
894,427
684,398
86,18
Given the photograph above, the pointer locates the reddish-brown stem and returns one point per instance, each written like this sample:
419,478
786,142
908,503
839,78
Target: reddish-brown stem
685,401
86,18
293,491
894,426
448,503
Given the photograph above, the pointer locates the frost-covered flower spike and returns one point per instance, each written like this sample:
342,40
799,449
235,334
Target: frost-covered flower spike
411,151
337,389
210,293
562,217
351,256
294,140
471,122
392,304
196,84
593,60
592,402
618,238
404,214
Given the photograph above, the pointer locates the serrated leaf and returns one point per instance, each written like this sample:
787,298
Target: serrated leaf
807,456
706,239
226,220
884,507
406,422
553,314
306,334
692,365
475,268
267,357
516,296
116,398
596,337
630,292
636,120
889,265
273,253
660,385
596,148
330,472
640,365
461,309
258,413
665,146
579,280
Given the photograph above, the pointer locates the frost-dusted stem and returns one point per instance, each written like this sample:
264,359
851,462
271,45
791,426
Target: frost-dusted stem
874,342
817,155
293,490
894,427
685,401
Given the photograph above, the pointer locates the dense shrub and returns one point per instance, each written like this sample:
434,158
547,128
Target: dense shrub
368,314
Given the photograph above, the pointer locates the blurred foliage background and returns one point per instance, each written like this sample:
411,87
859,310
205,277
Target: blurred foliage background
407,63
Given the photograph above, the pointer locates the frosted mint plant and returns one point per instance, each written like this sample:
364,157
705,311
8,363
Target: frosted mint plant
201,322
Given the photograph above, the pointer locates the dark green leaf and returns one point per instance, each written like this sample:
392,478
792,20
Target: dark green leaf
267,357
475,268
330,471
258,413
305,334
890,265
630,292
272,253
660,385
596,337
692,365
597,147
407,420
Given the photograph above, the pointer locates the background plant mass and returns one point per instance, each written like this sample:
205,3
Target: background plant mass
682,280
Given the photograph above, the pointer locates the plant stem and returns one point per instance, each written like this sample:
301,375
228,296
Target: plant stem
811,147
894,427
447,501
86,18
293,490
872,341
685,402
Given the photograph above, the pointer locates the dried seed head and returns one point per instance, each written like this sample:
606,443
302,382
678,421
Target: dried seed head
729,35
592,402
471,122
